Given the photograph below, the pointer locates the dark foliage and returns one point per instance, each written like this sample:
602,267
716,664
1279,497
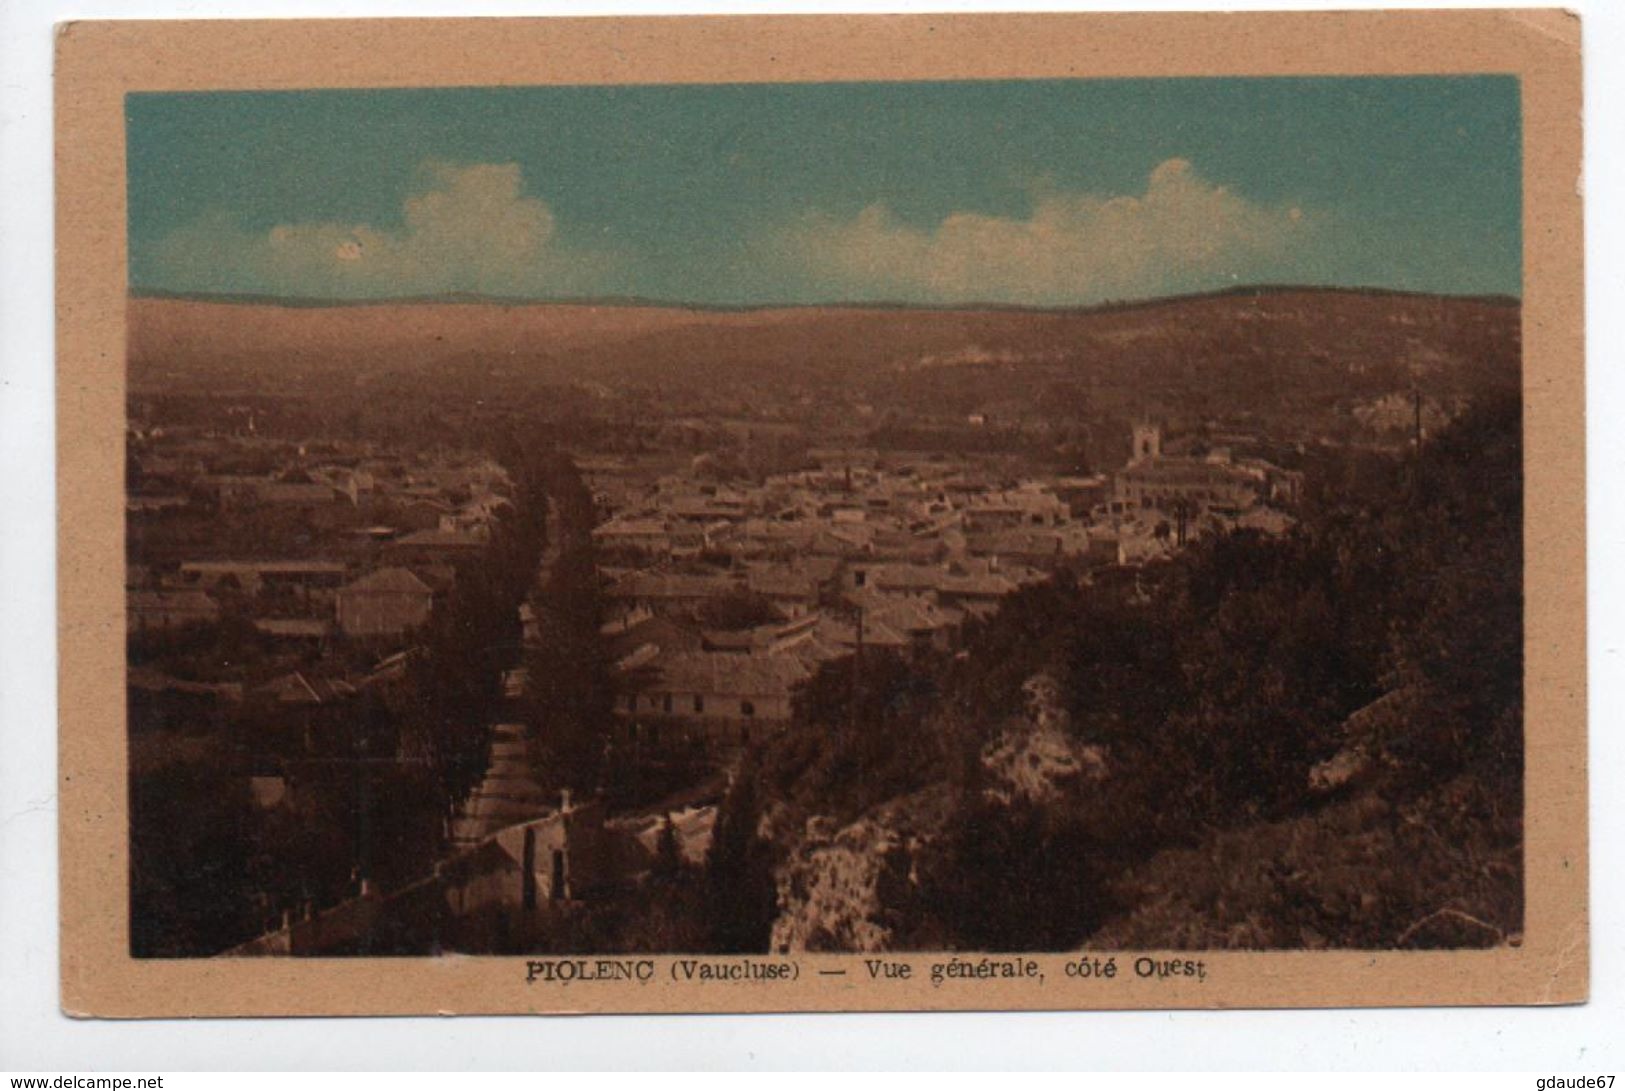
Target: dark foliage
860,735
1215,682
190,863
570,669
741,899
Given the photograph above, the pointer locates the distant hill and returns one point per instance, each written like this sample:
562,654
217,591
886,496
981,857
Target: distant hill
1270,346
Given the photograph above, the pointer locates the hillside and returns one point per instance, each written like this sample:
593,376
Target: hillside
1307,741
1261,348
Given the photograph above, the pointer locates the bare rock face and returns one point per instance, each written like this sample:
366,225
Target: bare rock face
854,887
1339,770
848,888
1035,758
1367,734
829,890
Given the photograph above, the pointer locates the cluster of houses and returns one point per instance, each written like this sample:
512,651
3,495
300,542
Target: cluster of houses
507,889
719,596
332,553
722,597
719,599
1215,482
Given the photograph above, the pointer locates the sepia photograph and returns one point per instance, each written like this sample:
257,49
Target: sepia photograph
716,532
838,517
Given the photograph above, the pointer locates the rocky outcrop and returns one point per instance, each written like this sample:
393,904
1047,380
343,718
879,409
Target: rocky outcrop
1036,758
849,888
1367,736
855,887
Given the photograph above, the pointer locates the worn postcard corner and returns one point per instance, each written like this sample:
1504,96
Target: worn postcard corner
952,512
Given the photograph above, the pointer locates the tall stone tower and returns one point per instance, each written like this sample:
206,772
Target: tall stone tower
1147,441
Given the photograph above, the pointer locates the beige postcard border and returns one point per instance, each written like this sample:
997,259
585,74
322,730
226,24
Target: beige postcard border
98,62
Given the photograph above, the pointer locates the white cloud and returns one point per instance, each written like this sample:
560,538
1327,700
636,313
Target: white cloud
472,228
466,228
1184,233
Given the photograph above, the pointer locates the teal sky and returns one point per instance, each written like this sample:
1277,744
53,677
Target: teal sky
1041,192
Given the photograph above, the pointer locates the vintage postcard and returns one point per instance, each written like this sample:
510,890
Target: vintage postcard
816,513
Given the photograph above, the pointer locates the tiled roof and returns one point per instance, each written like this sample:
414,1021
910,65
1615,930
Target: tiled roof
661,632
388,581
152,680
982,584
441,538
282,493
291,626
268,568
908,616
630,527
780,581
189,601
298,689
906,577
439,577
640,585
746,674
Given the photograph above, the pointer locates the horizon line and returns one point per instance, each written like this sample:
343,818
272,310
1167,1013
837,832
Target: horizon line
652,303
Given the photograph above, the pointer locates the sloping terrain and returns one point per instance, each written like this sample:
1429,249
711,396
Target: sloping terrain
1258,348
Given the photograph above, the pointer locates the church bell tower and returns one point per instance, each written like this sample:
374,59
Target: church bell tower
1147,441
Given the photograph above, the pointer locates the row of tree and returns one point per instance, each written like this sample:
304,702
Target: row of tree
571,685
